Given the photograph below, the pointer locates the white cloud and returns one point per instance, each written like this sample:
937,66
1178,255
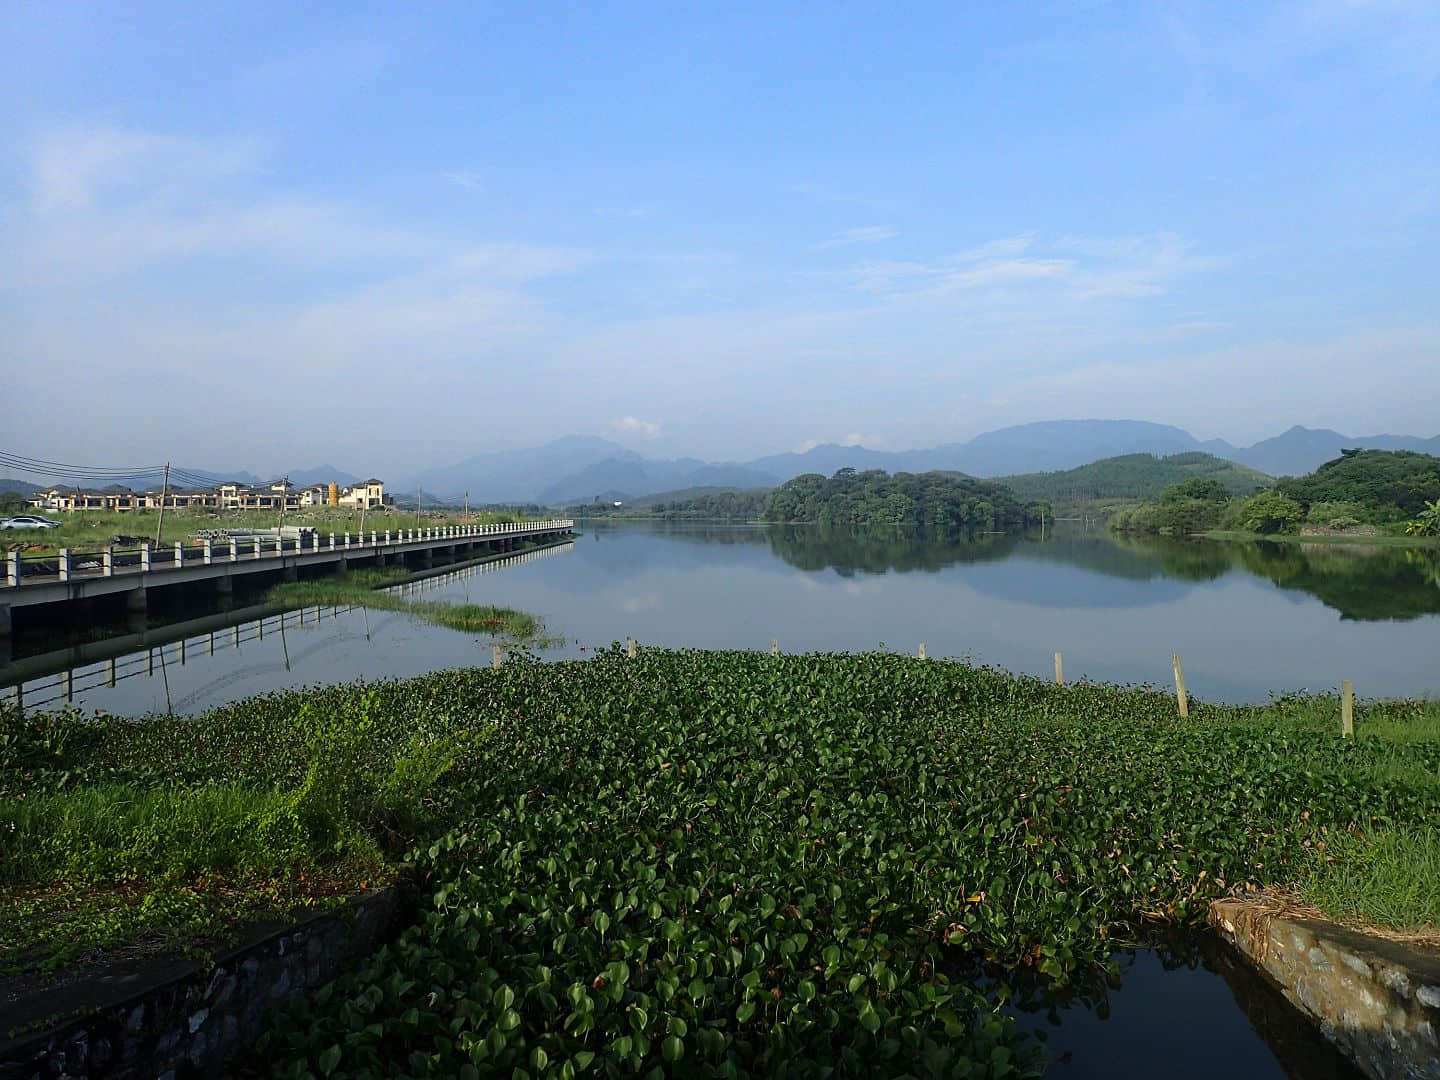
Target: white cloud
868,234
633,425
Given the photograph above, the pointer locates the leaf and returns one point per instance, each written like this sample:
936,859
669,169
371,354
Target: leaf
329,1060
672,1049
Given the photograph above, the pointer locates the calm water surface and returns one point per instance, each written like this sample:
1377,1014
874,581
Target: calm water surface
1248,620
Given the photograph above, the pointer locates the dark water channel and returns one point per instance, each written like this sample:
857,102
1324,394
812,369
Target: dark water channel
1248,620
1181,1009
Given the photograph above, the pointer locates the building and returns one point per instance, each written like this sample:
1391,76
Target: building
368,494
273,496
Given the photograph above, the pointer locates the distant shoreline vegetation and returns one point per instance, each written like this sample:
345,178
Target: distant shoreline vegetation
850,497
1362,496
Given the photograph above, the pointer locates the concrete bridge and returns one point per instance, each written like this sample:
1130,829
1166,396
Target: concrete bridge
57,585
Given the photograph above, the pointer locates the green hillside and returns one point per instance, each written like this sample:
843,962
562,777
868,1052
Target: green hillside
1133,476
1371,485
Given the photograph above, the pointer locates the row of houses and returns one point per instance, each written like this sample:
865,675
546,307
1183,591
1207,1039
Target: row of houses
369,494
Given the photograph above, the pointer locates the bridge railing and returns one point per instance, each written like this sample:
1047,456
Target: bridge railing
68,564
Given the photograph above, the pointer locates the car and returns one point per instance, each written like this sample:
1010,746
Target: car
28,521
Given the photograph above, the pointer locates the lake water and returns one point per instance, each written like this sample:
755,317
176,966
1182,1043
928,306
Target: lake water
1247,620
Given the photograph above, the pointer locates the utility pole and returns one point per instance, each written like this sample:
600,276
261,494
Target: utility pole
419,499
284,488
467,507
164,491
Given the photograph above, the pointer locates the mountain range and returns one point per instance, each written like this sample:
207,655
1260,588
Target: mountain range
579,469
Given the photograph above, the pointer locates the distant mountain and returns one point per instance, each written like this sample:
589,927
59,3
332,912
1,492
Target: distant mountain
23,487
323,474
1133,476
520,475
1064,444
578,468
630,478
1302,450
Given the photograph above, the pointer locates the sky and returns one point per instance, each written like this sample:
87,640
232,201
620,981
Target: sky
385,236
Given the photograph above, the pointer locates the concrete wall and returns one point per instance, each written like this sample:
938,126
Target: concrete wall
176,1021
1377,1000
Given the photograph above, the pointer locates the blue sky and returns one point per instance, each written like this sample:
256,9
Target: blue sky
393,235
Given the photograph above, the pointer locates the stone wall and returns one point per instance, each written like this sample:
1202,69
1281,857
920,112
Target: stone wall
1376,999
177,1021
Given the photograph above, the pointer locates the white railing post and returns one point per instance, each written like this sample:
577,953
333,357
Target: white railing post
145,557
387,536
12,568
64,564
179,553
332,541
207,555
107,562
347,541
234,550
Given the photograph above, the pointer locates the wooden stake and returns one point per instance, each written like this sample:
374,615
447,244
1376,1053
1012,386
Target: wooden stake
921,653
774,646
497,655
1181,698
1059,671
1347,709
630,648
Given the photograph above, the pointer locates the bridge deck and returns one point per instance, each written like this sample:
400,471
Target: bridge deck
70,575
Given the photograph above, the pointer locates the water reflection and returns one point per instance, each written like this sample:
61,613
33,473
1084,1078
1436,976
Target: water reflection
1171,1010
1249,620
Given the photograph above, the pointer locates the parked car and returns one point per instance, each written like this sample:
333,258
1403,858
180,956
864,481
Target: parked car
28,521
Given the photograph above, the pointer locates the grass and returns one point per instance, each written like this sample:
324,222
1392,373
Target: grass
1389,877
371,588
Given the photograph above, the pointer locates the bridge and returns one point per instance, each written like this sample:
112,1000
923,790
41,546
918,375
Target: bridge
57,583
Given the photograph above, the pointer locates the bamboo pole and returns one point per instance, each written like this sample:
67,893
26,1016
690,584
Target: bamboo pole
774,646
921,652
497,656
1347,709
630,647
1059,671
1181,698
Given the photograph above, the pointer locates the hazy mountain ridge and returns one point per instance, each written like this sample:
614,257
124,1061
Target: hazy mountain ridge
580,468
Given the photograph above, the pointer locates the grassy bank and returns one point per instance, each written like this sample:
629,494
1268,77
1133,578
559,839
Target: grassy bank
711,861
1369,540
367,588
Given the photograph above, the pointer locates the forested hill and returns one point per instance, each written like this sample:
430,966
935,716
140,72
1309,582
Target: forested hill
1134,476
1384,485
946,500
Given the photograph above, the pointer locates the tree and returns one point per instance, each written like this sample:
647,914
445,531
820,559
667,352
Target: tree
1205,489
1428,523
1270,512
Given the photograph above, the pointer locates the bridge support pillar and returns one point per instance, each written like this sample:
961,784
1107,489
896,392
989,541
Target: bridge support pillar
427,559
343,565
137,601
7,627
290,573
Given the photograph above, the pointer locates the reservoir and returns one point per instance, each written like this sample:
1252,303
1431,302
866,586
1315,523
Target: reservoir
1248,620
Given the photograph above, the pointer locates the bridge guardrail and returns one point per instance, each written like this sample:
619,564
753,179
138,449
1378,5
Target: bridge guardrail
68,563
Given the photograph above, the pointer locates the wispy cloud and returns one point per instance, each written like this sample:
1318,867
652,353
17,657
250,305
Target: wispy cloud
867,234
465,178
633,425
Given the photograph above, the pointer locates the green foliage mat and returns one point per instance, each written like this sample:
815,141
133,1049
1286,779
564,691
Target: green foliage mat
727,864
